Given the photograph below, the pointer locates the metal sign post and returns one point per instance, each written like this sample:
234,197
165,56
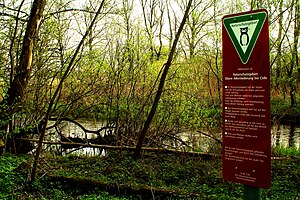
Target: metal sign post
251,193
246,101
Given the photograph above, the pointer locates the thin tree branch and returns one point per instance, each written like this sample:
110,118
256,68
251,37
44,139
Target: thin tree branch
56,96
137,152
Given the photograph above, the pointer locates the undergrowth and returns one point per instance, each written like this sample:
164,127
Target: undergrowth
119,176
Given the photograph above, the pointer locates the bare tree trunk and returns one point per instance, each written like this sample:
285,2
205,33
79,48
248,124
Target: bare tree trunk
297,10
20,80
295,58
20,75
279,45
55,95
137,152
153,22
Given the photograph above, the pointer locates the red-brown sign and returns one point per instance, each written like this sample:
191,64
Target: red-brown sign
246,99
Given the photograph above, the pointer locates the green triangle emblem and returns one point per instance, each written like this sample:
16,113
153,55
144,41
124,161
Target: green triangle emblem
243,31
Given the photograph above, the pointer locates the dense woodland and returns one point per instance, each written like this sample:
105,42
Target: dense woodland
121,61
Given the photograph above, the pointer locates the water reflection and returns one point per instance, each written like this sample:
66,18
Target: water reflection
81,132
282,135
287,135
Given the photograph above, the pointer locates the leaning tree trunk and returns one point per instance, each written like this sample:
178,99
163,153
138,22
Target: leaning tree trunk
19,82
56,93
295,56
137,152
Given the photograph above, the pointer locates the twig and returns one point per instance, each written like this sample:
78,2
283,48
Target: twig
219,141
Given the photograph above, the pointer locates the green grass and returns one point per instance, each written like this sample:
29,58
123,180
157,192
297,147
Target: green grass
284,151
281,107
10,179
119,176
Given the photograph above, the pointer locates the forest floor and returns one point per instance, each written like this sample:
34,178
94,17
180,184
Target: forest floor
119,176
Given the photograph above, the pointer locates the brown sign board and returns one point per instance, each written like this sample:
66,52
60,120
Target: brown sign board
246,151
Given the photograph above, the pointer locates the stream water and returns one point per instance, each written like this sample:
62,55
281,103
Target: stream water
287,135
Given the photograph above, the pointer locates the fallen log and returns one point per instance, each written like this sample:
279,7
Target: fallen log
70,142
145,192
206,156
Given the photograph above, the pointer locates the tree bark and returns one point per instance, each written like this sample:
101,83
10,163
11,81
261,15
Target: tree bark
137,152
279,45
295,58
22,71
297,10
20,75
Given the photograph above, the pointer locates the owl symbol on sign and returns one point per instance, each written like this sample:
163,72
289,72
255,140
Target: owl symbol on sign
244,37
